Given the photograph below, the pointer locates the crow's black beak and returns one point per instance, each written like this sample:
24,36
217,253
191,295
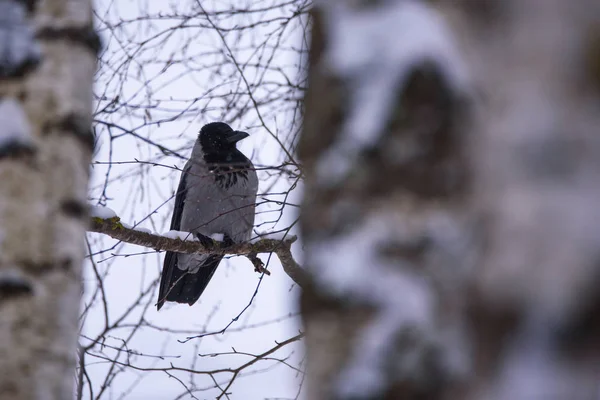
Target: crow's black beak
236,136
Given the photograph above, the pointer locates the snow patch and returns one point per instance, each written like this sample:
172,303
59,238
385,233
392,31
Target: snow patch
102,212
373,50
256,238
351,266
532,367
17,41
14,126
181,235
217,236
273,236
140,229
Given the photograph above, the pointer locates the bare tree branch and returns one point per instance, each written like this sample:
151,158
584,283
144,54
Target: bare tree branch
115,229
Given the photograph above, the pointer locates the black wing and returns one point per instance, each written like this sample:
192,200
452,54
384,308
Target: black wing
179,200
170,264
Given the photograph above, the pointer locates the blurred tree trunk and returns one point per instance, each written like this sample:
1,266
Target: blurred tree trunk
451,214
47,62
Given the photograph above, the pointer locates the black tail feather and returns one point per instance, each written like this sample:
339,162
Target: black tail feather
183,287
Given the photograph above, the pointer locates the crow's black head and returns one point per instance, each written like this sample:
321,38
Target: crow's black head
224,160
218,137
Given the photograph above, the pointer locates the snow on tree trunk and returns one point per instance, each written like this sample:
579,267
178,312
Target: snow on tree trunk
451,211
47,61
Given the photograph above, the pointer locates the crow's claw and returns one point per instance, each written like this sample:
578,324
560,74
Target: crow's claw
259,266
206,241
227,241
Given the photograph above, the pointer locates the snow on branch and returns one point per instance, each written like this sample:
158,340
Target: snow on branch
113,227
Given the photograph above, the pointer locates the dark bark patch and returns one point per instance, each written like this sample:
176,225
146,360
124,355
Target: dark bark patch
420,151
74,208
16,148
483,12
413,250
76,125
85,36
13,283
29,4
592,57
20,69
578,332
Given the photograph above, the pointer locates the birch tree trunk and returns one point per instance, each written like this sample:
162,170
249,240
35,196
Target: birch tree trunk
47,61
451,211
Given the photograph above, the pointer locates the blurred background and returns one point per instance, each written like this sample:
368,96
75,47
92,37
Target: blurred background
445,156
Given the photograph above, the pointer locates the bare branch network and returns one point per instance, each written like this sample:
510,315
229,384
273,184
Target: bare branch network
282,247
156,85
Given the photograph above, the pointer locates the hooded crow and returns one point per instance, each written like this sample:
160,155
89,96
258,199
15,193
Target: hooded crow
216,195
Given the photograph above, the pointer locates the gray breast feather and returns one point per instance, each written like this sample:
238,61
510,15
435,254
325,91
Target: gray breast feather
210,208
